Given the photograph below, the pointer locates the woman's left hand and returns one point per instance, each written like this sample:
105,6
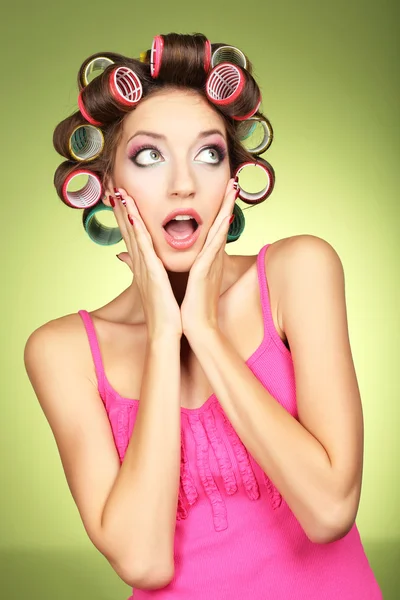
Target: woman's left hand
199,309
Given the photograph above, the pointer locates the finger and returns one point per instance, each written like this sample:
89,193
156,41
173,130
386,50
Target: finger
216,244
132,209
122,222
225,211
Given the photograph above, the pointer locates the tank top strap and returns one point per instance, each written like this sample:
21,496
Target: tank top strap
95,348
269,326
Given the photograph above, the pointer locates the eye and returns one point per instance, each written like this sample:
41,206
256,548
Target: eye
152,152
218,152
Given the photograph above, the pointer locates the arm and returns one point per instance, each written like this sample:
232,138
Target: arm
316,462
140,512
128,510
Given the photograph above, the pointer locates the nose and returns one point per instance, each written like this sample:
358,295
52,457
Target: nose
182,183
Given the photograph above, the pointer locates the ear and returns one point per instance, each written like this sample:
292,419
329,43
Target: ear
108,190
125,257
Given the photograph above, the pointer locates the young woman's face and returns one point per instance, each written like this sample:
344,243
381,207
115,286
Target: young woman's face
181,169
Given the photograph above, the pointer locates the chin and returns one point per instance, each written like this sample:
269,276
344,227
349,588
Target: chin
178,261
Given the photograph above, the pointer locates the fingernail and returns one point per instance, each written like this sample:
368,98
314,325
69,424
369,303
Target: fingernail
130,219
111,201
119,258
231,219
236,178
117,193
237,193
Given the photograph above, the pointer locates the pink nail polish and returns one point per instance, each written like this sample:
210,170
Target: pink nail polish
111,201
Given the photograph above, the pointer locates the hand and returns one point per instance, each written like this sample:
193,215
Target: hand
160,307
199,308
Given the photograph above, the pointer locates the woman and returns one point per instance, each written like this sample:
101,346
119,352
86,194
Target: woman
229,462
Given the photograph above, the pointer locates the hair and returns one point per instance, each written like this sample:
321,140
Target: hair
182,68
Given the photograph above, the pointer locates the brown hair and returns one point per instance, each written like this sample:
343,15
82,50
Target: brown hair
182,68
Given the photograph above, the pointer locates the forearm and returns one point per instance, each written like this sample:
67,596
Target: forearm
293,459
140,514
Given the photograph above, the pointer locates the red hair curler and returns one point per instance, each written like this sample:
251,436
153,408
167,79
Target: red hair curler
125,87
87,195
224,85
157,49
257,197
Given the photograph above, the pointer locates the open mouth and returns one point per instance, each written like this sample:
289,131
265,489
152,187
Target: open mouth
181,228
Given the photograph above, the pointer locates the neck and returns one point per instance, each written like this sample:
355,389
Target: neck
132,305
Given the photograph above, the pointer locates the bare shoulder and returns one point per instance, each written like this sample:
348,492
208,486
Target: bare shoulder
62,335
288,253
289,256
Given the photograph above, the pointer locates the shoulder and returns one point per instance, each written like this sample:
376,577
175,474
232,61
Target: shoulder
298,263
301,247
296,255
61,335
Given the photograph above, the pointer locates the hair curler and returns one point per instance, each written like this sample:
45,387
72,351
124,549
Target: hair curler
261,130
125,87
229,54
224,85
257,197
100,63
86,142
84,113
157,49
98,232
86,196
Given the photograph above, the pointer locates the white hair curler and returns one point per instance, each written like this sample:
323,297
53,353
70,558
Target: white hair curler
87,195
86,142
229,54
257,197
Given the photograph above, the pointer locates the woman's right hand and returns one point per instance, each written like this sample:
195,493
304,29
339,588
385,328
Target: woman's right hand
161,310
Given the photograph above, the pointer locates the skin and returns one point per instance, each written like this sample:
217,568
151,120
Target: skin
181,175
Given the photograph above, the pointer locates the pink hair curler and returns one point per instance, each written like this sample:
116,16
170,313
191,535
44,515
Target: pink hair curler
257,197
87,195
224,85
207,56
157,49
85,114
125,86
155,56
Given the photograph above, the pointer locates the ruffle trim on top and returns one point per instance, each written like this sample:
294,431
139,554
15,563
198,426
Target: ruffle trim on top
205,433
122,433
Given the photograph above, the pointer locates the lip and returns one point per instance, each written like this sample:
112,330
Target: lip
185,243
183,211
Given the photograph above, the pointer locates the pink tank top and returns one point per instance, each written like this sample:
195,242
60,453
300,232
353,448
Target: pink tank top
236,538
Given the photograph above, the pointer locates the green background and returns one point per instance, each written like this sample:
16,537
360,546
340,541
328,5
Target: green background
328,73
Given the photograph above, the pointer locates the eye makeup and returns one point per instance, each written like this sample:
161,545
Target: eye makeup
219,148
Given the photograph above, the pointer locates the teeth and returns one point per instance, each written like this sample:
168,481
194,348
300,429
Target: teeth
182,218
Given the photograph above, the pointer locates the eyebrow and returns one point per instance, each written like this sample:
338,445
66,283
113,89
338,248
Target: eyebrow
159,136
